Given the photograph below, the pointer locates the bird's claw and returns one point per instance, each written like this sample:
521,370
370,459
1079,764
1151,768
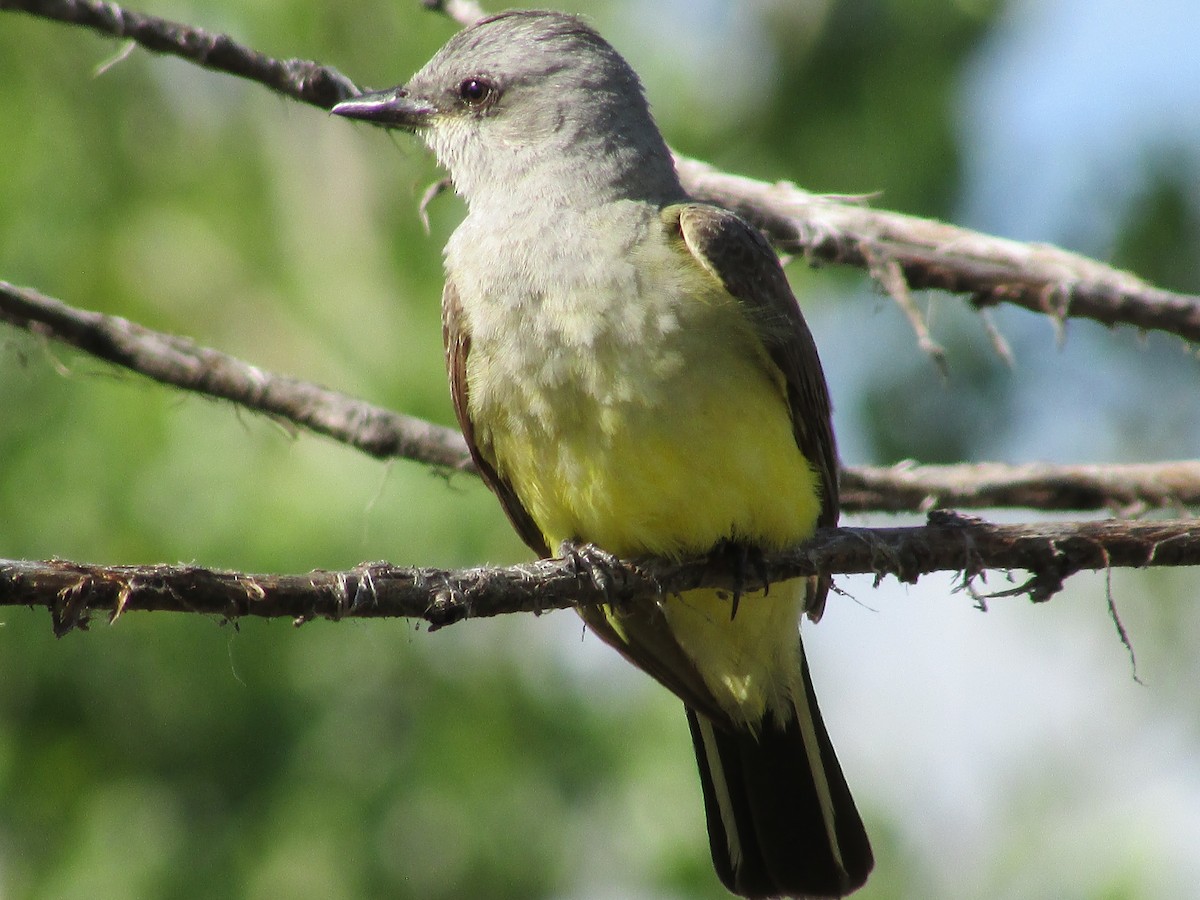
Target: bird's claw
741,557
599,567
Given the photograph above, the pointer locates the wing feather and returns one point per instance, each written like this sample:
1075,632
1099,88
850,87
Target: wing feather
739,256
457,340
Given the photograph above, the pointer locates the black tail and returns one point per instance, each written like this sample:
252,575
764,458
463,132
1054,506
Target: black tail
766,825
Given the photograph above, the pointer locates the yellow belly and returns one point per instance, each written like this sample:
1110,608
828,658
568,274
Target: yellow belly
666,450
719,460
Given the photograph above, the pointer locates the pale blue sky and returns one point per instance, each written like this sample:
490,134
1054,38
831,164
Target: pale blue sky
1064,106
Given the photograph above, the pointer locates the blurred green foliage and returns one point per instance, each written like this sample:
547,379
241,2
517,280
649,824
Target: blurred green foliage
1164,231
169,756
877,70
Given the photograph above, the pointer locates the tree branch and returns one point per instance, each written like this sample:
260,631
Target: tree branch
179,362
1049,552
992,270
930,254
379,432
301,79
1128,490
901,251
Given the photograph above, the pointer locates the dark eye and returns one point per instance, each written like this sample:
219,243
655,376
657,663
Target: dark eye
475,90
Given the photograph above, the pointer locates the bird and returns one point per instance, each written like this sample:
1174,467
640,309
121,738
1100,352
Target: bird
634,377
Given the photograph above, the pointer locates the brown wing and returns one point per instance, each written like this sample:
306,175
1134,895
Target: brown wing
457,341
737,254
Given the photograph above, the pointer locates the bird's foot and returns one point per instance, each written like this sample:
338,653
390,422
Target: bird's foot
599,567
740,558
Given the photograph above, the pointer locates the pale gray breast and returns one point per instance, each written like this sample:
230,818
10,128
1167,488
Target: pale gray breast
582,302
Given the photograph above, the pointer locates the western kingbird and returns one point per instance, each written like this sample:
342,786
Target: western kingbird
631,371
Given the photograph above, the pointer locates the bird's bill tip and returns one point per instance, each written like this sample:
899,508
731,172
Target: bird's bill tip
394,107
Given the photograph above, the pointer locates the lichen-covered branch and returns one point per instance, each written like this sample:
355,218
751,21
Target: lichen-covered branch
1048,552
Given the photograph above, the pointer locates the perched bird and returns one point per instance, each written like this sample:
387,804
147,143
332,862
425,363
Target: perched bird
632,373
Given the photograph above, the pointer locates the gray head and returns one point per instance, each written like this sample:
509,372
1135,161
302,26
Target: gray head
531,101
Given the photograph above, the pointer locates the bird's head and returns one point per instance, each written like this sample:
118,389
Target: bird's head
529,98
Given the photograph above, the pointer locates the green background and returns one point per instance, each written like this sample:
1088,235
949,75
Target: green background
1007,755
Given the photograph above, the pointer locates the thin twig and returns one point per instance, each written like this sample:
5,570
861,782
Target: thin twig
1122,633
1127,490
889,274
999,344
